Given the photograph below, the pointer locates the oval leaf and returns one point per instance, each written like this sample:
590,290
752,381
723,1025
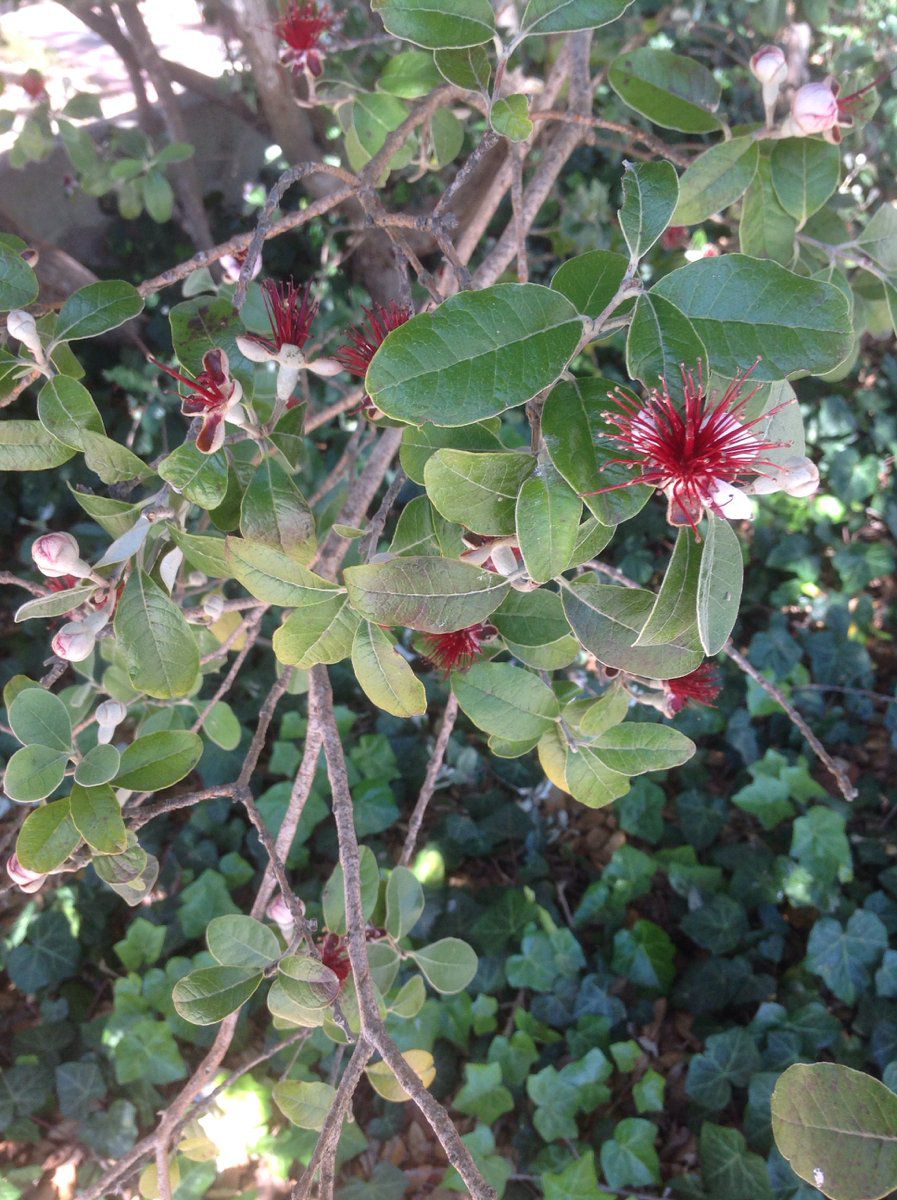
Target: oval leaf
434,595
307,981
34,772
384,675
38,716
97,817
650,192
720,580
448,965
240,941
670,90
161,651
404,902
158,760
207,996
99,765
506,701
304,1104
47,837
94,309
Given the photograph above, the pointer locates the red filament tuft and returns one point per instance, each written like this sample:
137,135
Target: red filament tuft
458,650
291,311
302,26
381,320
701,686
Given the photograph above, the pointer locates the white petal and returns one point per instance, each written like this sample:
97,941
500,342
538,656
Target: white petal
732,502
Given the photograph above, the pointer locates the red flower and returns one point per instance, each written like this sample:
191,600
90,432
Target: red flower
702,686
695,452
291,311
212,395
335,956
458,650
366,342
301,27
674,237
34,84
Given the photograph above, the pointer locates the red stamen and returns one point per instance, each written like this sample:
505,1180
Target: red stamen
701,686
301,26
846,101
204,387
688,451
291,311
459,649
366,342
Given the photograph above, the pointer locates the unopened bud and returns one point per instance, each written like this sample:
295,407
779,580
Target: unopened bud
504,560
768,65
814,109
22,326
57,554
213,607
28,881
109,715
252,349
74,642
278,911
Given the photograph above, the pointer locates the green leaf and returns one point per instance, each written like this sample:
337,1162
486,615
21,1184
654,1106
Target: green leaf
333,898
409,75
483,1094
48,955
660,339
96,815
879,238
434,595
743,307
110,460
34,772
158,197
605,712
28,446
158,760
55,604
97,308
385,1083
420,443
448,965
66,409
547,523
446,137
535,629
576,435
589,780
384,675
274,577
207,996
304,1104
629,1158
438,24
374,117
37,715
205,553
47,837
729,1170
720,579
577,1181
670,90
222,726
675,609
635,747
276,513
468,68
99,765
236,940
591,280
842,955
477,490
475,356
203,323
307,981
766,230
200,477
566,16
18,283
115,516
805,172
510,117
404,902
837,1127
320,630
506,701
607,620
650,192
716,179
159,648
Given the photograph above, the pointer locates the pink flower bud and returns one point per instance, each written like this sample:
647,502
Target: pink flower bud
109,715
213,606
278,911
74,642
814,109
28,881
769,66
57,554
22,326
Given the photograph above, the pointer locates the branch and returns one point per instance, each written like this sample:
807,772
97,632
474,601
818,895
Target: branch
434,766
329,1136
372,1027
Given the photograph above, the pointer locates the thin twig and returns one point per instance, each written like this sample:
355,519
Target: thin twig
434,766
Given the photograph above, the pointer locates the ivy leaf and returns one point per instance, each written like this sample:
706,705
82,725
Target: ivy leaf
729,1059
577,1181
836,1126
730,1171
629,1158
475,356
650,192
842,955
483,1094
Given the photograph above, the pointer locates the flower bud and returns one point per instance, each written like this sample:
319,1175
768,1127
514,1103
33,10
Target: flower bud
814,109
22,326
74,642
325,367
109,714
213,607
57,554
768,66
278,911
28,881
801,477
504,560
